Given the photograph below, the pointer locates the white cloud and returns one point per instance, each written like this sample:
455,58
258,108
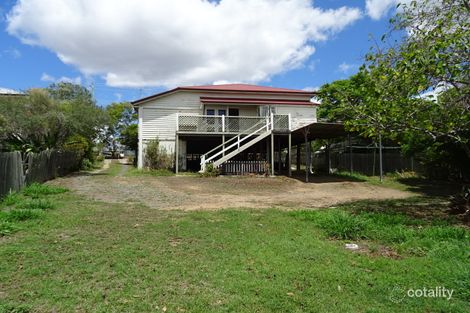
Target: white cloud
311,88
313,65
346,68
48,78
167,43
11,52
377,9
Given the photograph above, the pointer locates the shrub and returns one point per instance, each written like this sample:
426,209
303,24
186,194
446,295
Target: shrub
86,165
100,158
35,190
156,157
211,171
36,204
77,144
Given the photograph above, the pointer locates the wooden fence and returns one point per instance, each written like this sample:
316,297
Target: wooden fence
234,167
17,171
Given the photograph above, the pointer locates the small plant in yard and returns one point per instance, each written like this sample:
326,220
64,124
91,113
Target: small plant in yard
340,224
20,215
26,205
35,190
211,171
11,199
36,204
408,234
7,228
7,308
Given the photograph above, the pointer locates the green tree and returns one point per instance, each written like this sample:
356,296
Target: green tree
121,128
129,137
65,91
48,118
388,95
33,122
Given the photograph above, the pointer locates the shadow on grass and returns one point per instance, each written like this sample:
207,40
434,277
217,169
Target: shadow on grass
431,209
325,178
429,187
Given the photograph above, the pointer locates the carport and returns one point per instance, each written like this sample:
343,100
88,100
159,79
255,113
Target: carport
303,136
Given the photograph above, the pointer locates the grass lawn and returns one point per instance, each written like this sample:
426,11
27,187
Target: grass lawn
78,255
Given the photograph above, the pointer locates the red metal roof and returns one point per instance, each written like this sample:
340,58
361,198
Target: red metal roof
255,101
245,87
233,88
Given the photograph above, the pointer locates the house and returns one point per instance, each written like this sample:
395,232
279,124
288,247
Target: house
237,127
6,92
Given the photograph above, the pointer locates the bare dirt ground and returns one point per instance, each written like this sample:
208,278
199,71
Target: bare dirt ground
197,193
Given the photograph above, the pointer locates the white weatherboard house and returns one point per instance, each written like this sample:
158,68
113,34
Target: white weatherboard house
238,128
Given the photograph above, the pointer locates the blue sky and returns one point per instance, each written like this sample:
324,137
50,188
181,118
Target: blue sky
33,55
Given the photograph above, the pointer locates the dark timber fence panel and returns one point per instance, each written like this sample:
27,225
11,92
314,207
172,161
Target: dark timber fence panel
11,172
15,172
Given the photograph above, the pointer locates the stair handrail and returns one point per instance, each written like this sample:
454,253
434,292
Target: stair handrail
265,124
239,140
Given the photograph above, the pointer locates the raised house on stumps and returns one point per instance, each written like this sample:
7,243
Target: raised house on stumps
237,128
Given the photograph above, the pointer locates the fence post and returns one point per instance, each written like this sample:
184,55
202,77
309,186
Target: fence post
380,159
223,123
350,155
177,157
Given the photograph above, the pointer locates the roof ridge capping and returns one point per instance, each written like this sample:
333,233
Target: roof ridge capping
231,88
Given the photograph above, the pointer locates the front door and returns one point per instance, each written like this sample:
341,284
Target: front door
233,121
233,112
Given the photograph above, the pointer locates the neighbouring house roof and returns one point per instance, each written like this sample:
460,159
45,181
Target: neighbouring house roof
232,88
9,92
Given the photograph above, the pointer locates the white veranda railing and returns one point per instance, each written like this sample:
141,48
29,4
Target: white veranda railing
193,123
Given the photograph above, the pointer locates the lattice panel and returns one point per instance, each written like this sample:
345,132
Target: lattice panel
241,124
281,122
200,123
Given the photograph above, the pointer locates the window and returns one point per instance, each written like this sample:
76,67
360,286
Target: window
210,112
222,112
263,110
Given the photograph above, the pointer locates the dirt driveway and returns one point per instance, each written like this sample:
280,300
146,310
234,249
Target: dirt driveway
193,193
